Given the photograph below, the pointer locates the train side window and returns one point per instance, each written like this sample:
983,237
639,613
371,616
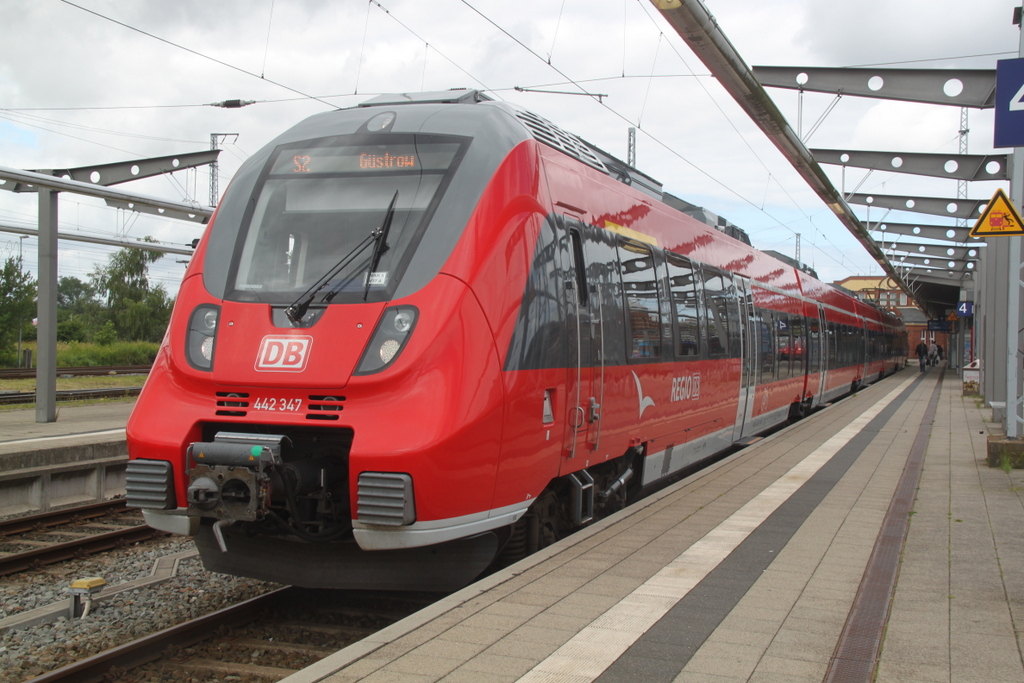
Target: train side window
685,302
782,343
640,294
733,306
797,345
844,346
813,345
767,346
716,308
833,343
847,358
579,265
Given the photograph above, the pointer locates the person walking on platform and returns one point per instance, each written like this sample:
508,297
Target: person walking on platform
922,354
933,354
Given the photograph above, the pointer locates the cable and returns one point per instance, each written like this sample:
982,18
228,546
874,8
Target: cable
78,126
196,53
934,59
450,61
554,38
647,92
74,137
266,47
648,133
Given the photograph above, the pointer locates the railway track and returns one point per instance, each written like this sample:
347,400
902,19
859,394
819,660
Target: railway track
51,537
265,638
19,397
24,373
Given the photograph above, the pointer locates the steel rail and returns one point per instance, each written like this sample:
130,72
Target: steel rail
20,397
152,647
69,550
43,520
28,373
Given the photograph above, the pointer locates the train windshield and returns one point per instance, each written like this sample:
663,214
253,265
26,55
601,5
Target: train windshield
319,209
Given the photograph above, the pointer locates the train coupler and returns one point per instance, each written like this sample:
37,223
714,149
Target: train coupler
230,478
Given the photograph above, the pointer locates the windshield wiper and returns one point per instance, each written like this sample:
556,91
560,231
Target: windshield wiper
298,309
382,243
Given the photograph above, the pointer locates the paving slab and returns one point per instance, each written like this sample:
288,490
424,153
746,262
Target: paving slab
747,586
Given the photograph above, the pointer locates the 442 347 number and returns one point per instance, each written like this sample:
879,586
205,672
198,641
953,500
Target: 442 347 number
280,405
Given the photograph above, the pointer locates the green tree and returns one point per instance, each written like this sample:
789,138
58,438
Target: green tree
80,314
17,291
138,311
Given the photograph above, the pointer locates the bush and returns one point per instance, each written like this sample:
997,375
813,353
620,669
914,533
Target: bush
71,330
116,353
106,336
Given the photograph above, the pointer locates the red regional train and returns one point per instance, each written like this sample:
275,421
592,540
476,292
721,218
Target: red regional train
434,332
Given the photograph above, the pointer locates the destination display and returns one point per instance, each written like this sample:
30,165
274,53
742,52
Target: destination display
398,157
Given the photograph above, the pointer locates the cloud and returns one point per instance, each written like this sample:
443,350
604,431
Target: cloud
694,138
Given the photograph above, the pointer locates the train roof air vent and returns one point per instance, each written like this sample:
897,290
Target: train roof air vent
553,136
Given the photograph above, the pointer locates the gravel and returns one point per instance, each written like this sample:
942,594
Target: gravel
27,653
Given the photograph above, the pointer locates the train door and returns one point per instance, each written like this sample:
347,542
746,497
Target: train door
585,340
748,350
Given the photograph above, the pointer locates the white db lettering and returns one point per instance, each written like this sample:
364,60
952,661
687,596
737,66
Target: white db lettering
283,354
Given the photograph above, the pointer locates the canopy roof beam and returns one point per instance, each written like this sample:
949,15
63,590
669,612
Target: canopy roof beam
699,30
957,166
955,87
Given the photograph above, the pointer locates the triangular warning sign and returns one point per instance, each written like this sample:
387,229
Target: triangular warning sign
998,218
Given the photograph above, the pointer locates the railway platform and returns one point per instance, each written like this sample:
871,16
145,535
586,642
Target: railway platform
77,459
871,537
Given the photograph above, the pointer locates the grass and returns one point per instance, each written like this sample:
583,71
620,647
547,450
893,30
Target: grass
1005,461
84,382
69,383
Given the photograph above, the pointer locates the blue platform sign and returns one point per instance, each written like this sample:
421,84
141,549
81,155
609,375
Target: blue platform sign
1009,124
965,309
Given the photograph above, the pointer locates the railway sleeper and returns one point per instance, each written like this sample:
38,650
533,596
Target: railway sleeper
251,644
210,666
339,630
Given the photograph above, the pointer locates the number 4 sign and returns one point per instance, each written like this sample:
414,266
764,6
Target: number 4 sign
1009,123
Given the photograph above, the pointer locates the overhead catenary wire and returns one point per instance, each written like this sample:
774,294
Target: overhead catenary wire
196,52
418,36
627,31
662,144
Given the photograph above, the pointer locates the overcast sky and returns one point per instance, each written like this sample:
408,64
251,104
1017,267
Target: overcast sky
81,83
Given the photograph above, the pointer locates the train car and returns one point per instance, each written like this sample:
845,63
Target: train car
434,332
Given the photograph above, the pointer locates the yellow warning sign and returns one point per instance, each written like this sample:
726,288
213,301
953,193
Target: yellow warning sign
998,218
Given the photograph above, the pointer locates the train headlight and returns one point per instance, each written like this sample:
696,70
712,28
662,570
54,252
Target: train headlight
404,320
388,340
388,350
202,336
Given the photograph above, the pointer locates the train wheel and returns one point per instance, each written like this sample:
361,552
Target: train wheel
551,518
543,524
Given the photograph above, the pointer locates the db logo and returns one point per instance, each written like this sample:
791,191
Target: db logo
283,354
